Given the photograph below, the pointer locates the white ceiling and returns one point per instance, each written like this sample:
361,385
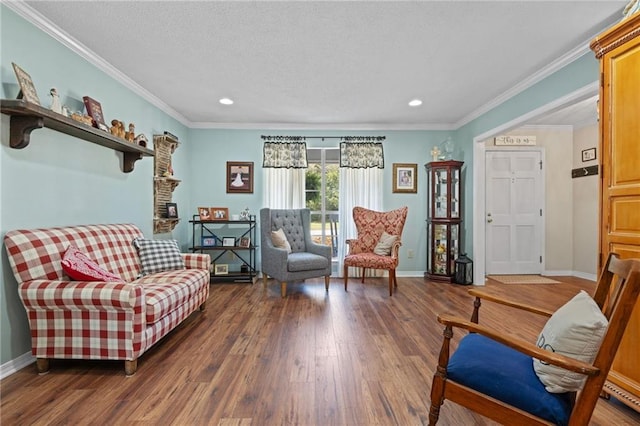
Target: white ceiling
347,65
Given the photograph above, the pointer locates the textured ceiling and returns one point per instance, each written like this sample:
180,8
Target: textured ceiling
329,64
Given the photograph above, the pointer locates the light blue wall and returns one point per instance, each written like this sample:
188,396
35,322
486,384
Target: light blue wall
59,180
211,149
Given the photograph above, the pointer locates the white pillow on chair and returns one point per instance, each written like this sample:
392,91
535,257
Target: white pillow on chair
383,248
280,240
575,330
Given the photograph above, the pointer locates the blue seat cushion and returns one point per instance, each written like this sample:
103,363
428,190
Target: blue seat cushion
505,374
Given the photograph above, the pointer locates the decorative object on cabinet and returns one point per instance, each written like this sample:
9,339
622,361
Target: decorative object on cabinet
405,178
444,218
618,50
588,154
219,213
27,89
163,185
55,106
205,240
94,110
204,213
244,214
26,117
239,177
172,210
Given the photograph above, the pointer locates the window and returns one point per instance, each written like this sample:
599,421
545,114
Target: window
322,194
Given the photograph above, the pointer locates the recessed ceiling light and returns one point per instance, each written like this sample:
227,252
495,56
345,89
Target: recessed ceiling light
415,102
225,101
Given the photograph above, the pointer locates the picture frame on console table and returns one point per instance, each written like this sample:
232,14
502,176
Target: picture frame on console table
219,213
239,177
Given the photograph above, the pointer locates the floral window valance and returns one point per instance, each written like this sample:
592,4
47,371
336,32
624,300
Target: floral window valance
359,155
285,155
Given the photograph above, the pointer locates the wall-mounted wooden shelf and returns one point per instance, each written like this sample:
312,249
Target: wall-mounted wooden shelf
26,117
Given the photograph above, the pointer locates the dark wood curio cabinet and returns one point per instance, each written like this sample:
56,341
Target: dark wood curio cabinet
444,218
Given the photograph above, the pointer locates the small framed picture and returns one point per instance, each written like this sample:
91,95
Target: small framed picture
172,210
228,241
405,178
220,269
245,242
27,89
219,213
239,177
209,241
204,213
94,110
588,154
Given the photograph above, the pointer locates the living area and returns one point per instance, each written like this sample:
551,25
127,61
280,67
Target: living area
60,180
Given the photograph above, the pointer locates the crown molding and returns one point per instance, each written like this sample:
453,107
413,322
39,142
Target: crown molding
41,22
321,126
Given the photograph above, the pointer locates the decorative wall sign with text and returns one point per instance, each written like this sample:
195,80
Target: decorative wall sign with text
515,140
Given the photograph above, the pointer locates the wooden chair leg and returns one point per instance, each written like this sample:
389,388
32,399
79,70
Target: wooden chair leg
364,271
440,377
346,276
42,365
203,306
283,289
327,278
265,278
391,279
130,367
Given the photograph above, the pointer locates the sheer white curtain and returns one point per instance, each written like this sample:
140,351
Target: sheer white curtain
284,188
358,187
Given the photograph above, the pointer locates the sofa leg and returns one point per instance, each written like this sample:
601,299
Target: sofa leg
265,278
42,365
203,306
327,278
130,367
283,289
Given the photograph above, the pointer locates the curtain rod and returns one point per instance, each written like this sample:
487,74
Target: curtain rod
344,138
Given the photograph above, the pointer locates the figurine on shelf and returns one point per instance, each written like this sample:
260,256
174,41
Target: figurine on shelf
435,153
244,214
56,106
131,134
141,140
114,127
169,172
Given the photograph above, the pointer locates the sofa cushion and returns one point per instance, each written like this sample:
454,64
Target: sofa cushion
166,291
304,261
158,255
81,267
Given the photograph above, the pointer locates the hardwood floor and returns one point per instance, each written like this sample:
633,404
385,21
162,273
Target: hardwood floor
253,358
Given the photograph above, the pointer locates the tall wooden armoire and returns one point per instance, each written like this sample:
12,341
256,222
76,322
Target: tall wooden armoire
618,50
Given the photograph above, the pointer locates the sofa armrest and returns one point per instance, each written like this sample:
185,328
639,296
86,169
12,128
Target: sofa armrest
80,295
197,260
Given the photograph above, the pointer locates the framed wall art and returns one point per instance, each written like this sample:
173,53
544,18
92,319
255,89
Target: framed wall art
405,178
219,213
27,89
239,177
588,154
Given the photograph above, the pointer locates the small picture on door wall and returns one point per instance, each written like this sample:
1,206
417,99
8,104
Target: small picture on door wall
588,154
239,177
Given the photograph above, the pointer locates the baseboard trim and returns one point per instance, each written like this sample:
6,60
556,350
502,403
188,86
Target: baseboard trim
10,367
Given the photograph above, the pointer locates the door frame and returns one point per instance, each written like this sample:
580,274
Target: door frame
479,212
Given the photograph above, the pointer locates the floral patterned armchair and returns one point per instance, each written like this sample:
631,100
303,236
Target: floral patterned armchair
378,242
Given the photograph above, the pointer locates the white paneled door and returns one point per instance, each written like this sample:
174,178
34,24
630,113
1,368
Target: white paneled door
514,194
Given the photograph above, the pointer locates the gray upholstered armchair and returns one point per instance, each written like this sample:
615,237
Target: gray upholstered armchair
306,259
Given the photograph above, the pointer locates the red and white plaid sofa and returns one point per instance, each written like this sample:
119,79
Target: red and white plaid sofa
95,319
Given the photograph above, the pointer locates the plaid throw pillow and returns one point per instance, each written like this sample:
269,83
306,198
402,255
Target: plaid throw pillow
158,255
